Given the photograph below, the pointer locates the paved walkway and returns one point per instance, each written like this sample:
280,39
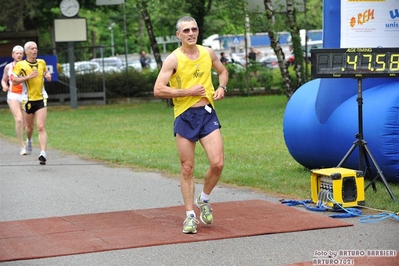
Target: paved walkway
69,185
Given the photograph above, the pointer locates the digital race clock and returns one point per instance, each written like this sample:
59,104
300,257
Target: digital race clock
355,63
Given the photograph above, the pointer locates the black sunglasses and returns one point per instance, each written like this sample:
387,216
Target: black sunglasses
194,30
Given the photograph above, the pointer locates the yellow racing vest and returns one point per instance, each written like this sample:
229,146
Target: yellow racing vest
33,87
189,73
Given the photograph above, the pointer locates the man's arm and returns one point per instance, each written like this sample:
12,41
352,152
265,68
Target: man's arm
18,80
46,74
4,80
223,74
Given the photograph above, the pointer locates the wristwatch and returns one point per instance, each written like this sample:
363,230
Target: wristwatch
223,87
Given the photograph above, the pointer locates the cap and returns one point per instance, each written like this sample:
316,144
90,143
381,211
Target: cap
17,48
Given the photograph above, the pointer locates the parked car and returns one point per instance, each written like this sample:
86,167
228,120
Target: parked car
108,61
238,58
290,59
111,69
269,61
82,67
311,45
137,65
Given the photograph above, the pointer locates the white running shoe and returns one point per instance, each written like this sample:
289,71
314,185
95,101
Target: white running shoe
42,157
23,151
28,146
190,225
206,215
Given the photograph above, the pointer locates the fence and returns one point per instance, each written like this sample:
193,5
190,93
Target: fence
90,79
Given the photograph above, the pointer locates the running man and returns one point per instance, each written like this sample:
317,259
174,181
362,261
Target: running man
188,71
31,74
14,96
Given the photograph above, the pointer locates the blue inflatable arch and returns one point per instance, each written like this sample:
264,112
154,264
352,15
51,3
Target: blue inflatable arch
321,118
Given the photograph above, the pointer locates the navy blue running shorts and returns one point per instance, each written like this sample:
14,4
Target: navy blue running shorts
196,122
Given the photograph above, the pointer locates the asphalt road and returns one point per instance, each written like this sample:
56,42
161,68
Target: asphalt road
70,185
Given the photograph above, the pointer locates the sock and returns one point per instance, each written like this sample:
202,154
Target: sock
190,213
204,197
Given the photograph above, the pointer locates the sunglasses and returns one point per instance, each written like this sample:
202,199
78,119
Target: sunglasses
194,30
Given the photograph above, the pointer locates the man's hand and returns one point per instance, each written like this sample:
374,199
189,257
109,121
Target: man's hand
47,75
198,90
33,74
219,94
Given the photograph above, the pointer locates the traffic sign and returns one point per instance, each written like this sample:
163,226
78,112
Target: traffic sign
236,40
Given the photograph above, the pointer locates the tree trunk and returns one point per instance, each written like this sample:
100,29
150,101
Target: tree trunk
148,24
154,44
296,43
275,44
198,10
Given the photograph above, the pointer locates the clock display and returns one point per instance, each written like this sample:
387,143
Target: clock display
69,8
355,63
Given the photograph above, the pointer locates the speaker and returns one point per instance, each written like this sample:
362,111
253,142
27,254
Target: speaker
337,187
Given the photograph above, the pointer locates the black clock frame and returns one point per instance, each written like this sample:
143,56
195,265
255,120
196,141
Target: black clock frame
355,62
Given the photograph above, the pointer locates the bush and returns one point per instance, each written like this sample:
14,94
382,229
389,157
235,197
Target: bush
138,84
259,79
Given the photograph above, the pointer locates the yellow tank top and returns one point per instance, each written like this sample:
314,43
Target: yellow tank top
32,87
189,73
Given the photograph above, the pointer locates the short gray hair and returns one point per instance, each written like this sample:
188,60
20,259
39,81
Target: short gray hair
26,46
185,18
17,48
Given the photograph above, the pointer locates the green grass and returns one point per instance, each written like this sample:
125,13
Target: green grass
140,136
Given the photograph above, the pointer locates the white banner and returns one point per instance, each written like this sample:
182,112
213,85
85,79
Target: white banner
109,2
369,23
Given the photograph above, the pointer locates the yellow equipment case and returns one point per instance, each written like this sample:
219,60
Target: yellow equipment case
333,186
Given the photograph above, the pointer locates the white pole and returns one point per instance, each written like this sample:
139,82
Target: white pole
111,28
126,64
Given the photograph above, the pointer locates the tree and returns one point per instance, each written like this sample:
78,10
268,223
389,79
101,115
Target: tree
198,10
36,15
287,81
273,23
26,14
142,5
297,47
12,14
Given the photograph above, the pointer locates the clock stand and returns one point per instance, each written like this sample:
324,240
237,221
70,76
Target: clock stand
364,152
